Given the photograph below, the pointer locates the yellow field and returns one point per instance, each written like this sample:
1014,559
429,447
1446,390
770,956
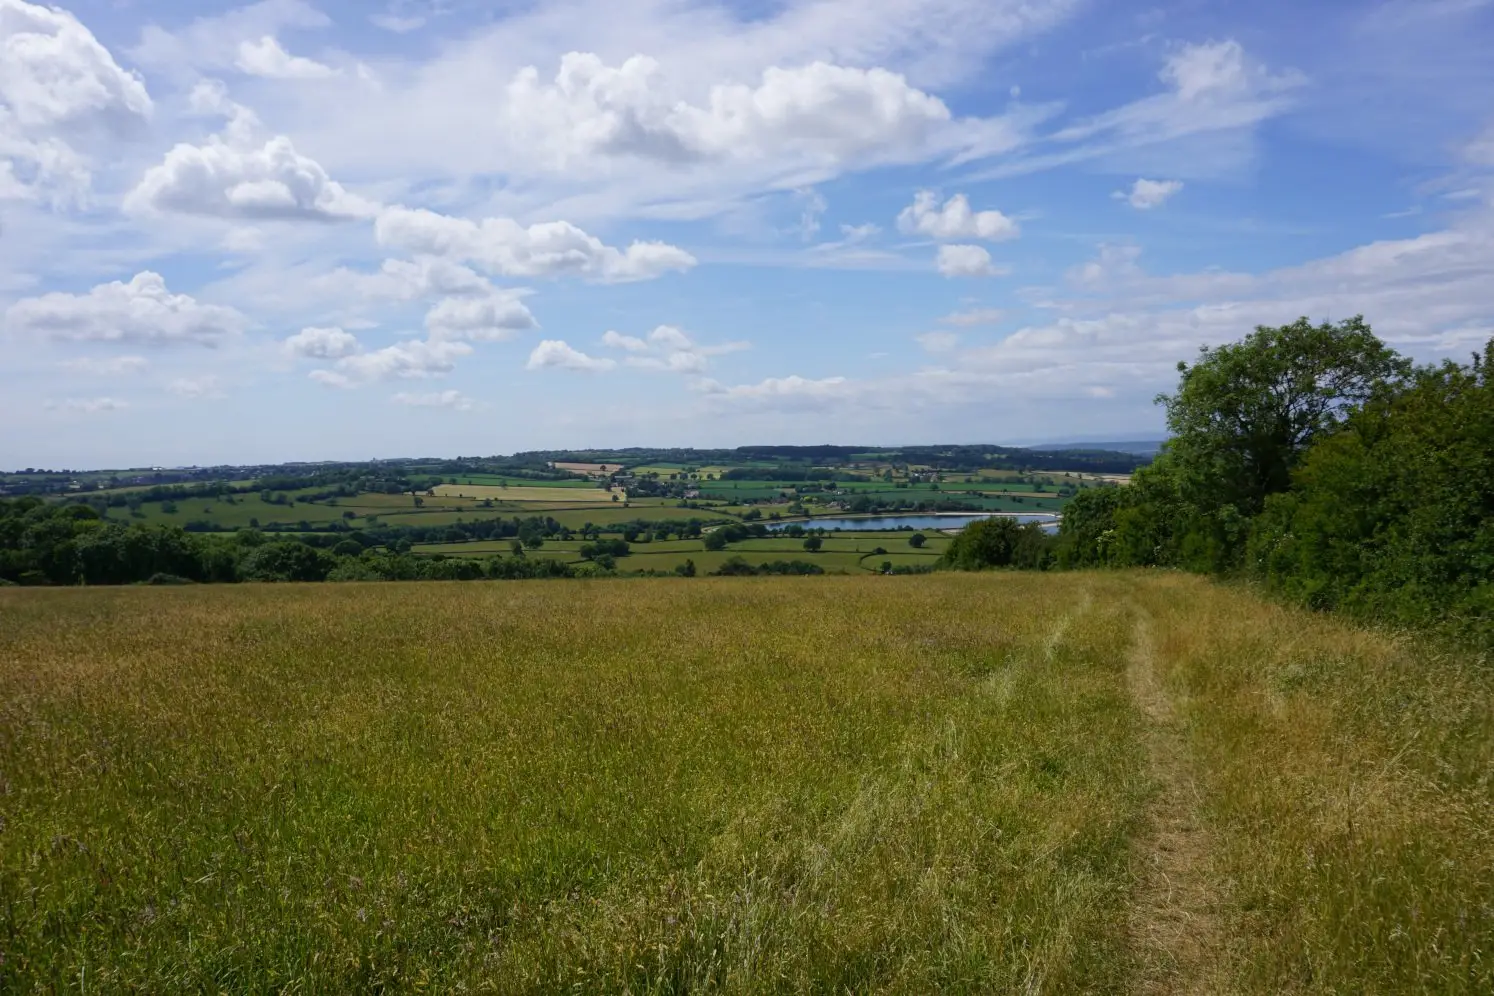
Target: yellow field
588,468
971,784
525,494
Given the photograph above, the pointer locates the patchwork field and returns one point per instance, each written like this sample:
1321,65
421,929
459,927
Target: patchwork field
525,494
955,783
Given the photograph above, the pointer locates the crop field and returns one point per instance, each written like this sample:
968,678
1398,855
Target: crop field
850,553
525,494
498,480
955,783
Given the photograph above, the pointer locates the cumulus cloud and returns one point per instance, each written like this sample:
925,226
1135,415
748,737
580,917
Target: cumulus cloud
413,359
111,366
314,343
503,246
557,354
455,400
954,220
820,112
1147,194
58,88
141,311
668,349
489,319
267,58
231,178
967,261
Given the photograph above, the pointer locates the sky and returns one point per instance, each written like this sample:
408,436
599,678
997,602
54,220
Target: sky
336,230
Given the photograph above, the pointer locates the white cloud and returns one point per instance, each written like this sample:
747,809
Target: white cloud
489,319
1147,194
967,261
230,178
1210,87
503,246
196,388
267,58
59,88
88,406
1113,264
791,393
668,349
818,112
322,344
455,400
412,359
975,316
213,41
617,340
556,354
954,220
938,342
142,310
113,366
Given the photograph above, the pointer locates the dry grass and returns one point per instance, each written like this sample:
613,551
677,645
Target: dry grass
946,783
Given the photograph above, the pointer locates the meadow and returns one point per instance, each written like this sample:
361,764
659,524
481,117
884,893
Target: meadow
1045,783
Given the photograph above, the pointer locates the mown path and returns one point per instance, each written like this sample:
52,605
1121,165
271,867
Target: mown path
1174,928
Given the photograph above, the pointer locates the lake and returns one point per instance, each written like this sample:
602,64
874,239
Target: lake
884,522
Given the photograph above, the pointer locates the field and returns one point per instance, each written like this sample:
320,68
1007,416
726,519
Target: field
960,783
850,553
482,492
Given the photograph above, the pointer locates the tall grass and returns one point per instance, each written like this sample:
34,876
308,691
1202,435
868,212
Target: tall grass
849,784
651,787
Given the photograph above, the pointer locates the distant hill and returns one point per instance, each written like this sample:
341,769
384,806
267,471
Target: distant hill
1145,447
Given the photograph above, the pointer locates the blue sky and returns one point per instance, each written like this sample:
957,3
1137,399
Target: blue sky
338,231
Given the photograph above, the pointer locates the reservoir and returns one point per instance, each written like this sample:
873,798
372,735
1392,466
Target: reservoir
956,520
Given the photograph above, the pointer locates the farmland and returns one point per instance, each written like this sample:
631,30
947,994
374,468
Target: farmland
1073,782
478,508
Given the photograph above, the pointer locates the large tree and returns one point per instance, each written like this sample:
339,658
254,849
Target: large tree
1244,413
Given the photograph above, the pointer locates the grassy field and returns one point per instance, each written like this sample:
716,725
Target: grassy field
521,494
959,783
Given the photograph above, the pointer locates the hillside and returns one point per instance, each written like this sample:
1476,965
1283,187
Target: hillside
1078,782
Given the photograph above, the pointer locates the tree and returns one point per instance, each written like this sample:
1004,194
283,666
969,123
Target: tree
715,540
686,570
813,544
917,540
1245,412
1393,516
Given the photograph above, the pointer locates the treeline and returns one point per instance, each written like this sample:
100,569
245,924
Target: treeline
47,543
1318,462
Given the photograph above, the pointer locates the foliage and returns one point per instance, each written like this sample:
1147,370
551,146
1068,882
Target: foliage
999,541
1393,517
1316,460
